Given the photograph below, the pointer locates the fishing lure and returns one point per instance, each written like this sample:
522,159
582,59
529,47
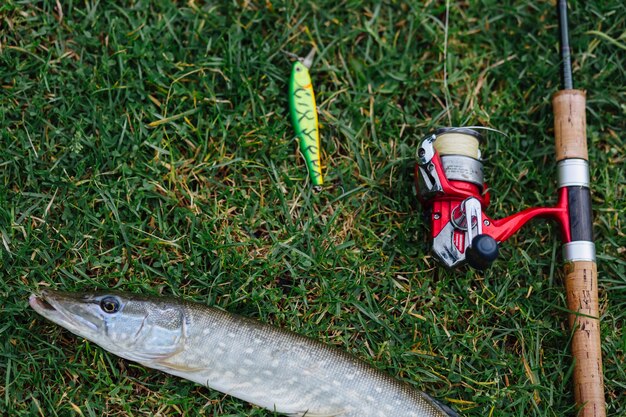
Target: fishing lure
304,117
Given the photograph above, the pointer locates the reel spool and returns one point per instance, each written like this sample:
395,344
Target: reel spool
459,153
450,185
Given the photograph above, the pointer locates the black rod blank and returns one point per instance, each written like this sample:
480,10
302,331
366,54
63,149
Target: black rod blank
566,61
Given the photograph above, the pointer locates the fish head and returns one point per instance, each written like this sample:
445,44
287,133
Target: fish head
131,326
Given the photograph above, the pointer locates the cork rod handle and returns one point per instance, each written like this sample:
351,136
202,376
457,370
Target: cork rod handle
581,285
570,124
581,280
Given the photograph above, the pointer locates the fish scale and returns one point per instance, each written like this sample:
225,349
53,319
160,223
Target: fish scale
271,367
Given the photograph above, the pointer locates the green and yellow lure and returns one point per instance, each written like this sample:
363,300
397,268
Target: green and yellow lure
304,117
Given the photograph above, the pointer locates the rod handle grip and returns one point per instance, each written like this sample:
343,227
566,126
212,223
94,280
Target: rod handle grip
581,285
570,124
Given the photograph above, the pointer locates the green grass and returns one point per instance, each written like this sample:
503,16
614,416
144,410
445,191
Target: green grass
147,147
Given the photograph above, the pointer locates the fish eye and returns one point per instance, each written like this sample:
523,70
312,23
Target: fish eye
110,305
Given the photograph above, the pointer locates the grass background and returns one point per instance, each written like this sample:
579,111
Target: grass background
146,146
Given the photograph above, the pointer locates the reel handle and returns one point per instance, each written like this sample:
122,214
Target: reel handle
482,252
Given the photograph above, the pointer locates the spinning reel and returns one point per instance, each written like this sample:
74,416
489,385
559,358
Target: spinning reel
449,182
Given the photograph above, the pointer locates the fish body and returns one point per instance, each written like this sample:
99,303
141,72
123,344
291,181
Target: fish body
304,117
264,365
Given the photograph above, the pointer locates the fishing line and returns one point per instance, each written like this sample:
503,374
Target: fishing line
462,140
445,63
490,129
457,144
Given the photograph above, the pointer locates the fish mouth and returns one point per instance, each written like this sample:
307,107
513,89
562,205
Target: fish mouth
55,306
40,303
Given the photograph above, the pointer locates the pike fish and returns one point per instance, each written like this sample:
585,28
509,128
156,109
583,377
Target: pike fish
271,367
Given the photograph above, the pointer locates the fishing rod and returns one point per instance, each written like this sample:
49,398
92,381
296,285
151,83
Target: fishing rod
581,278
450,185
